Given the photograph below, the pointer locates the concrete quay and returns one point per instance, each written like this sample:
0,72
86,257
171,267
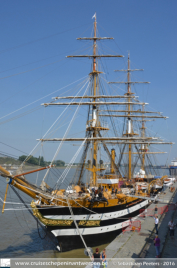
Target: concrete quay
140,244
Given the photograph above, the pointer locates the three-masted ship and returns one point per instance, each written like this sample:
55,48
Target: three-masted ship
93,212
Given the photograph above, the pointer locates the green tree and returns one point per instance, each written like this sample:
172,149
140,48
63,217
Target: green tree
59,163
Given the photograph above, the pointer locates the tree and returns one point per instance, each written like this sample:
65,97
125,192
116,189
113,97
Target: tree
40,161
59,163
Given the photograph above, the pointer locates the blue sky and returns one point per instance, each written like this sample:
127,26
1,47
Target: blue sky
37,35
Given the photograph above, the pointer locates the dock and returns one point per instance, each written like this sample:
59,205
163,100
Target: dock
134,244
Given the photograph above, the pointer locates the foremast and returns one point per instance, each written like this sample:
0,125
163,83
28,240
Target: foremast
94,114
95,123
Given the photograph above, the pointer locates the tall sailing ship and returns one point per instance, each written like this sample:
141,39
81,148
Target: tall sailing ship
91,211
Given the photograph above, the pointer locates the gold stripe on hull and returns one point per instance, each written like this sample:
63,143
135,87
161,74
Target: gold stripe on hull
49,222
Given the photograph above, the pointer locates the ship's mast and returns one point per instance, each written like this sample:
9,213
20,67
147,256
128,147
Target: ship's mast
94,128
129,132
143,147
93,125
94,114
129,127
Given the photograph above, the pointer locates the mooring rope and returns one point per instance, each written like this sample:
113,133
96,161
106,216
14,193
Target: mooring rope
71,211
38,222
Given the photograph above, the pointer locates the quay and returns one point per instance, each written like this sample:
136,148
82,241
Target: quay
134,244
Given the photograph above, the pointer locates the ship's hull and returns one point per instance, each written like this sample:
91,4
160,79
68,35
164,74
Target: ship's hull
67,243
111,222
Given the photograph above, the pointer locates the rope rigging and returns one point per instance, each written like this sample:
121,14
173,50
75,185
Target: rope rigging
71,211
80,169
46,231
107,151
119,146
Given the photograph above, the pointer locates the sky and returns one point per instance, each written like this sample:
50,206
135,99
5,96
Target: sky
36,37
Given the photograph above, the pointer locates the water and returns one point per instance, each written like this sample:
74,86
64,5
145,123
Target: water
19,234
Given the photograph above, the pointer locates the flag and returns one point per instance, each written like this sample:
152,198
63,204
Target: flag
94,16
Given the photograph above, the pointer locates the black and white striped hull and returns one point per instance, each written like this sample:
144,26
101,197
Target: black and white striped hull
111,223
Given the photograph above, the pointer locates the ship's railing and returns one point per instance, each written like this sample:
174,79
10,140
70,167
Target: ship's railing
131,226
